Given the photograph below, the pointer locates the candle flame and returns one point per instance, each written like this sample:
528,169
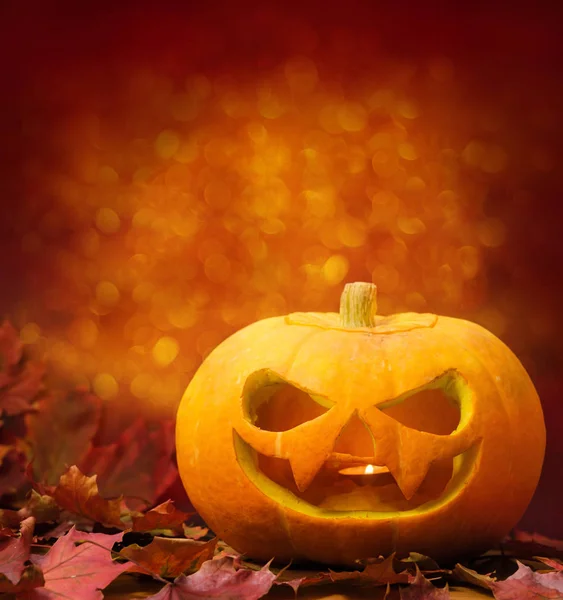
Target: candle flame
369,470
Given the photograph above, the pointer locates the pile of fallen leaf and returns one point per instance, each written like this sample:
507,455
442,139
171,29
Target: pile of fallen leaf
76,514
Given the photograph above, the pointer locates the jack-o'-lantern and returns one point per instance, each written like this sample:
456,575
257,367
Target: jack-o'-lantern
335,437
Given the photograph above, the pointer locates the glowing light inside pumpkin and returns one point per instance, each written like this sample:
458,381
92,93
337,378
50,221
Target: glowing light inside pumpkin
369,470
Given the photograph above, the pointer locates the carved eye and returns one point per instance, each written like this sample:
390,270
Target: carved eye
273,404
434,408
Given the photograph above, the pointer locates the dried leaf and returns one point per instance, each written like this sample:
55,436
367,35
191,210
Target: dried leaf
380,573
61,433
170,557
79,494
78,570
194,532
553,563
32,577
421,589
163,516
468,575
15,552
10,518
219,579
138,466
527,585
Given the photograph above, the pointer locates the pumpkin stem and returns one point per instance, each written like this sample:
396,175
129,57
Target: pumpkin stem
358,304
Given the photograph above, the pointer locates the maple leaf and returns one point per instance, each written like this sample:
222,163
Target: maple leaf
421,589
170,557
138,465
163,516
527,585
60,433
78,565
80,495
219,578
15,552
380,573
467,575
32,577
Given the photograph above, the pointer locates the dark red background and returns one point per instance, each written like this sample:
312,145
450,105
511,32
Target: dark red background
510,53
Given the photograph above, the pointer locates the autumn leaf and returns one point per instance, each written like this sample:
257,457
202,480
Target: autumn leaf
527,585
60,433
170,557
380,573
421,589
467,575
219,579
32,577
15,552
138,466
163,516
553,563
80,495
78,565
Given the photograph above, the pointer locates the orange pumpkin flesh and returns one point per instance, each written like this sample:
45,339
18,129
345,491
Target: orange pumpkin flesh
279,414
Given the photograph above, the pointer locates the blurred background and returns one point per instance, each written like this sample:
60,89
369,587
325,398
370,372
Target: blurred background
174,171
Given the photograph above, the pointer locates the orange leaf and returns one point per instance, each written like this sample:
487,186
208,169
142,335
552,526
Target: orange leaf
79,494
163,516
170,557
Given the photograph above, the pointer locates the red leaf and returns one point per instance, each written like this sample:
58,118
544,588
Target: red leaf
15,552
78,571
421,589
79,494
138,466
170,557
380,573
60,433
219,579
32,577
555,564
527,585
163,516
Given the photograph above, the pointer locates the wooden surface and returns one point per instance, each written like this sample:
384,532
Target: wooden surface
131,587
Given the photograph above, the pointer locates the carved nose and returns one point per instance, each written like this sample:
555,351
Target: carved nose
355,438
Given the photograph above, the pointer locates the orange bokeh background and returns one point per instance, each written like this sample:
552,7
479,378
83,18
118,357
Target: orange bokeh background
173,173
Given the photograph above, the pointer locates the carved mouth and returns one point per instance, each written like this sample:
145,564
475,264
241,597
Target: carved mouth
335,491
292,445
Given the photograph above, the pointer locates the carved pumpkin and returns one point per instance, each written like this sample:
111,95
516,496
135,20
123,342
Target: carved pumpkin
282,420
